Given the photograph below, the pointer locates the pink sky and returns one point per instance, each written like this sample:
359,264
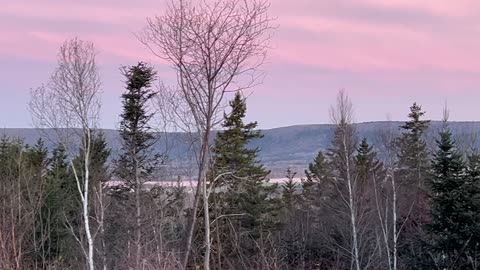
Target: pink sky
386,53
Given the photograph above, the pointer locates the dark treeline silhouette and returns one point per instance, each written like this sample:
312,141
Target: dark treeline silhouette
412,209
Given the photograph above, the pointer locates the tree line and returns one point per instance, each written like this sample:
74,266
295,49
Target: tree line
410,209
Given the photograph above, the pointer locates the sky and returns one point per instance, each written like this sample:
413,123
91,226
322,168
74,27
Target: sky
386,54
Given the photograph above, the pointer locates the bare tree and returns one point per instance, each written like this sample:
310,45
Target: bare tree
342,116
70,104
215,48
386,193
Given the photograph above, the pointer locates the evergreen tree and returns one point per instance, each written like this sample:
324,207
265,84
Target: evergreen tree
99,155
289,191
342,151
455,225
99,159
10,149
243,192
60,213
318,170
292,236
366,162
137,161
473,167
413,164
412,149
315,226
38,157
316,182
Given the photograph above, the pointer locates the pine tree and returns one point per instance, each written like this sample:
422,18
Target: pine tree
455,225
243,193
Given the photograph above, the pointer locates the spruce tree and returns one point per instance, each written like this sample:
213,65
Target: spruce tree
455,225
291,221
243,193
99,159
316,186
60,212
38,157
366,162
137,161
412,149
99,155
10,149
318,169
413,165
290,196
317,190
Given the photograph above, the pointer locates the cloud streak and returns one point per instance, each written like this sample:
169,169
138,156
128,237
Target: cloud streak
353,35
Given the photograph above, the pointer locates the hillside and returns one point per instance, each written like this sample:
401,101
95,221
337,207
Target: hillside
281,148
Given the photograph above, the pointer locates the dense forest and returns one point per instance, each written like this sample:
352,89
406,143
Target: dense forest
395,203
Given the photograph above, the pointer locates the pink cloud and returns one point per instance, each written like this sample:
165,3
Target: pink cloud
107,45
68,11
311,33
351,44
37,28
458,8
354,45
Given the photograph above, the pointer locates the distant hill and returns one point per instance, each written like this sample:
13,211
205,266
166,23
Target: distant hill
281,148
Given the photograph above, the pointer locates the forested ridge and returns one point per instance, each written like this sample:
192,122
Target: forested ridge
398,195
277,153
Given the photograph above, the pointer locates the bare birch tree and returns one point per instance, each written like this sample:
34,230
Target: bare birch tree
387,203
70,104
215,48
342,116
385,193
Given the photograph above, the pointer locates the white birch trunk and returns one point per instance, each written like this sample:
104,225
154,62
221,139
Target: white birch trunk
394,219
351,200
206,262
86,219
